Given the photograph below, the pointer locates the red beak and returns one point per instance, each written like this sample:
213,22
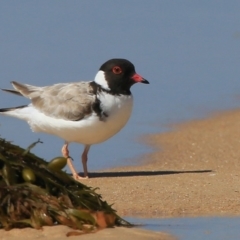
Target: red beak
137,78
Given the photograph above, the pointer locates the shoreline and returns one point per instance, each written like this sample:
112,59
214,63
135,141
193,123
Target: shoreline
193,171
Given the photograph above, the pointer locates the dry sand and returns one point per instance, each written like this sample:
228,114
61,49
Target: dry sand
59,233
194,171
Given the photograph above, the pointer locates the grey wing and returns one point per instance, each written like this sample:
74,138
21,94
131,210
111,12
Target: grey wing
69,101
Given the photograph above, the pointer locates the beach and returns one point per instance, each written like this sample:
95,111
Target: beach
193,171
59,233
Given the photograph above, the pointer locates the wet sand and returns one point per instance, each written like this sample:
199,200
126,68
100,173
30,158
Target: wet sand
194,171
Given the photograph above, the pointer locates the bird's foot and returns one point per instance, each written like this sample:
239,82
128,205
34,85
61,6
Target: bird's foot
65,153
77,177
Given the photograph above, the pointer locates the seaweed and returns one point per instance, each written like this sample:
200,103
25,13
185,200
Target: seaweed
52,197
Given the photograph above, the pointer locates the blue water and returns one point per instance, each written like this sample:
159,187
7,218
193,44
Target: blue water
188,50
199,228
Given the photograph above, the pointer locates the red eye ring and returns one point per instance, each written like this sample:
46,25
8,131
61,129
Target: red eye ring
117,70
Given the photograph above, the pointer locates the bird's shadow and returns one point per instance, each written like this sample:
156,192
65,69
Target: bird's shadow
141,173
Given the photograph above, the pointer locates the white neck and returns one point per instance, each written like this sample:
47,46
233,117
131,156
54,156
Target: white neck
100,80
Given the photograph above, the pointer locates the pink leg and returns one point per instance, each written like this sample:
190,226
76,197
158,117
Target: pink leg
84,160
65,154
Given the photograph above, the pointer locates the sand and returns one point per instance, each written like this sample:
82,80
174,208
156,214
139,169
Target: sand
59,233
193,171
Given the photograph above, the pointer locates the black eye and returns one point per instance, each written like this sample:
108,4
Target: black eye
117,70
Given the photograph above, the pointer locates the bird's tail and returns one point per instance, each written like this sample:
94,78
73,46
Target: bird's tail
12,91
4,110
20,112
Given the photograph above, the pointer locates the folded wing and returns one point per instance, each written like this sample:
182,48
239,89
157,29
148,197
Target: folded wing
69,101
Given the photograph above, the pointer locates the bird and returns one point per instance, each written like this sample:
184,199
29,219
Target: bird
82,112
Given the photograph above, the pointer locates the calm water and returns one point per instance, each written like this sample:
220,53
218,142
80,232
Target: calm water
188,50
201,228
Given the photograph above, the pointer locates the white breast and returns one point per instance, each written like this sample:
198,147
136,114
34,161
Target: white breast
90,130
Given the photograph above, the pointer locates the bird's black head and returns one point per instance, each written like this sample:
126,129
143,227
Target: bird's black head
117,76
